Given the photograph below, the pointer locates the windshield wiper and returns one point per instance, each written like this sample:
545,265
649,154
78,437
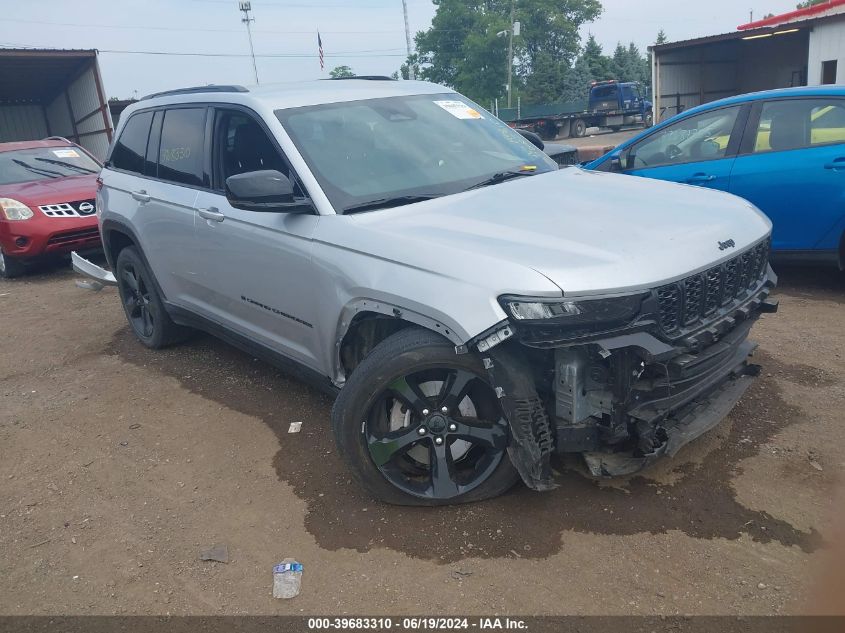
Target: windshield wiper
37,170
387,203
502,176
64,164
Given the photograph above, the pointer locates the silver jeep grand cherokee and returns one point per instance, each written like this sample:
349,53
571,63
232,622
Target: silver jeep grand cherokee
478,309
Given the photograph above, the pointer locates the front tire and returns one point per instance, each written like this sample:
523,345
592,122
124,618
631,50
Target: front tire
579,128
421,426
142,304
9,267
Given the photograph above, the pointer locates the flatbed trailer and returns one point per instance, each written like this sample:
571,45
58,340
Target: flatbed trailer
611,105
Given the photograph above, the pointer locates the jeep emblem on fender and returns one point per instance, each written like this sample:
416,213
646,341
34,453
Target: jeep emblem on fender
723,246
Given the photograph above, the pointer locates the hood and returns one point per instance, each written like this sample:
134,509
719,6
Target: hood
52,190
587,232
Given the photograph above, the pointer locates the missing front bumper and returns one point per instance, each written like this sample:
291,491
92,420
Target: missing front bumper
690,424
99,275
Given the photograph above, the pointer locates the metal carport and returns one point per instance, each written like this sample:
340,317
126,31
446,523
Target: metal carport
46,92
690,73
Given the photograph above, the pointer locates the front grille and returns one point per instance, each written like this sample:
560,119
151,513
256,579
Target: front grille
69,237
566,159
78,209
687,302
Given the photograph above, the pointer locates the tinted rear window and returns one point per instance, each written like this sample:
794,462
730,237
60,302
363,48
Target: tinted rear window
131,147
181,156
607,93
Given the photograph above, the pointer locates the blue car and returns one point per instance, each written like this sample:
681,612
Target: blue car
783,150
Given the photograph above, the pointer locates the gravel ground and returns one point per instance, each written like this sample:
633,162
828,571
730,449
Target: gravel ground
121,464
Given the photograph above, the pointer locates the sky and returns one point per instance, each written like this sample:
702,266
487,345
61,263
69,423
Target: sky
367,35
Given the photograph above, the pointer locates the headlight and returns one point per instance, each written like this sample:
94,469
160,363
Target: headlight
573,312
536,310
14,210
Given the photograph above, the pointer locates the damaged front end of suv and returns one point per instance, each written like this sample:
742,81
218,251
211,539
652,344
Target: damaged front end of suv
624,380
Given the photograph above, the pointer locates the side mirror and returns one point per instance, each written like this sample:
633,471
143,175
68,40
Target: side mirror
616,163
533,138
266,190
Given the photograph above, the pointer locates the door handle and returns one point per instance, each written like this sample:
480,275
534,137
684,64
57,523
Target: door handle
212,214
696,178
141,196
838,164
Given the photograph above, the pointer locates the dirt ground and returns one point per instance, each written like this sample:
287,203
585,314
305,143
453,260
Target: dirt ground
119,465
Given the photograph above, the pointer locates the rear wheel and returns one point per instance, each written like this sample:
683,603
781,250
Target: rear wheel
420,425
10,267
579,128
142,304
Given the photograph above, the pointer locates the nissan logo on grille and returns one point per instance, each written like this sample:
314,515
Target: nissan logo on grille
85,208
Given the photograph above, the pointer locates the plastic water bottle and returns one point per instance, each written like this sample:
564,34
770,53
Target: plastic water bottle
287,579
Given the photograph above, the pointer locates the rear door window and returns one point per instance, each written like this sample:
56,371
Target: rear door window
131,147
800,123
181,155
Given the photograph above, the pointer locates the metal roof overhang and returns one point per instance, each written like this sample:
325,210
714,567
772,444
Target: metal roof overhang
33,75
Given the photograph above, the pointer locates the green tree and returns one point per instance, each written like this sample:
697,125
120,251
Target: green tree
545,82
640,65
598,63
338,72
577,81
629,64
464,49
405,69
809,3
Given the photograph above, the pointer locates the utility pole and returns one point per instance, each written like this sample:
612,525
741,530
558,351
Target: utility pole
246,7
510,53
411,73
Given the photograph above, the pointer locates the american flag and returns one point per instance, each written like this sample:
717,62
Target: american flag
320,48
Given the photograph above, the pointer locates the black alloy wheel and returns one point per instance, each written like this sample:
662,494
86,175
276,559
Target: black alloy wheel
420,425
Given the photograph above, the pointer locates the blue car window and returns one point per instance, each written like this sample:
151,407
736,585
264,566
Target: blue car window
697,138
800,123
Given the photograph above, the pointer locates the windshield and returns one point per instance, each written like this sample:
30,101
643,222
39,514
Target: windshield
402,149
44,163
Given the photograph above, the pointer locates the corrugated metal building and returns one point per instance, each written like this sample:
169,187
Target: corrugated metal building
802,47
45,92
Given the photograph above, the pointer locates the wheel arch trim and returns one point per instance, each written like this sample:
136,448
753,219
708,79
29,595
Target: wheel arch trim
377,307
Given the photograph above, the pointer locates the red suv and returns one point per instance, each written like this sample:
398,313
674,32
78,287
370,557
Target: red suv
47,191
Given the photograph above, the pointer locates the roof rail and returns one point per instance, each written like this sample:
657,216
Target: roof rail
195,90
364,77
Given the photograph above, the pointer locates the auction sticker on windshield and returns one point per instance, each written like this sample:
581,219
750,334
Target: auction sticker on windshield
459,109
65,153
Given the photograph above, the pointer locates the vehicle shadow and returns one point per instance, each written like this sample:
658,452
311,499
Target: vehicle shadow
826,282
699,502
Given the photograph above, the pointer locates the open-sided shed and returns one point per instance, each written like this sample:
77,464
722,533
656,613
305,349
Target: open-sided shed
799,48
54,93
689,73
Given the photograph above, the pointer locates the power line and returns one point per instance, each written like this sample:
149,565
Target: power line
180,29
362,54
